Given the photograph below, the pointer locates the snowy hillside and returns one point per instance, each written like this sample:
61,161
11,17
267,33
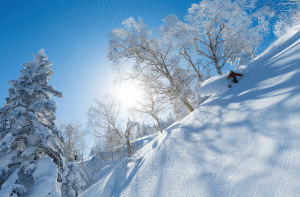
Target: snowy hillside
243,141
97,166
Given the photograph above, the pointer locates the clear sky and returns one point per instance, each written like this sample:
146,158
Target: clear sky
74,35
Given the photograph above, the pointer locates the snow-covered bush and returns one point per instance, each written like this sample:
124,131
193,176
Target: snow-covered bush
74,180
29,152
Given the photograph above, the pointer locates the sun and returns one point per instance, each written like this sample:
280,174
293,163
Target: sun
128,93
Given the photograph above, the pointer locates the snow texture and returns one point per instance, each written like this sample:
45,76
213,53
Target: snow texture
11,186
214,85
28,151
95,163
5,143
240,142
29,169
45,176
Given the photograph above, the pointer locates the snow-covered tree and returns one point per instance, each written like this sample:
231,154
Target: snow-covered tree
170,119
73,137
179,110
143,130
128,132
219,31
155,57
97,148
29,152
152,104
286,14
74,180
104,122
97,152
74,145
82,146
183,79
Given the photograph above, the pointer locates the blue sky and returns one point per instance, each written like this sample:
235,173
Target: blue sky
74,36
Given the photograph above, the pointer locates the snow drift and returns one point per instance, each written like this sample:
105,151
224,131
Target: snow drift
241,142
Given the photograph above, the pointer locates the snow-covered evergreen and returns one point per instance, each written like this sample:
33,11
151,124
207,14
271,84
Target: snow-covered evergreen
29,153
74,180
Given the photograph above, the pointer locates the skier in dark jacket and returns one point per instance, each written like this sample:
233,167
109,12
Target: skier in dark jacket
233,75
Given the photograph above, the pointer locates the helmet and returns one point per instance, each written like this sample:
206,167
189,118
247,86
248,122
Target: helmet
231,71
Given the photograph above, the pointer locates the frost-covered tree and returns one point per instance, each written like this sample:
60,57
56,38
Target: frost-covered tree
219,31
143,130
155,57
286,14
184,80
29,152
170,119
82,146
71,132
74,180
97,151
74,144
128,133
152,104
97,148
74,147
104,122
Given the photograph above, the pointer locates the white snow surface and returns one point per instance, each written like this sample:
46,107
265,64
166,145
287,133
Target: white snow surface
241,142
6,160
11,185
214,85
28,151
6,142
45,174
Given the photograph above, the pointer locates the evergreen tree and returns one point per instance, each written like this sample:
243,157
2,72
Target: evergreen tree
74,180
29,152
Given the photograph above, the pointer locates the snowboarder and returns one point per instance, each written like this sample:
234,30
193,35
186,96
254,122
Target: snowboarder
233,74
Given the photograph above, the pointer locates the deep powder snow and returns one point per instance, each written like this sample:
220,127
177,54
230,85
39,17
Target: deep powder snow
243,141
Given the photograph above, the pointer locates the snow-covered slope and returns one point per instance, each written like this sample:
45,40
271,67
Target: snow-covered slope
98,167
244,141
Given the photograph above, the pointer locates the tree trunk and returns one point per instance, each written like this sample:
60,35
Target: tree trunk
120,154
219,69
133,149
159,125
128,147
187,104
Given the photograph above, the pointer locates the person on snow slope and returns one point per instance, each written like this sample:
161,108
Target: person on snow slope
233,75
